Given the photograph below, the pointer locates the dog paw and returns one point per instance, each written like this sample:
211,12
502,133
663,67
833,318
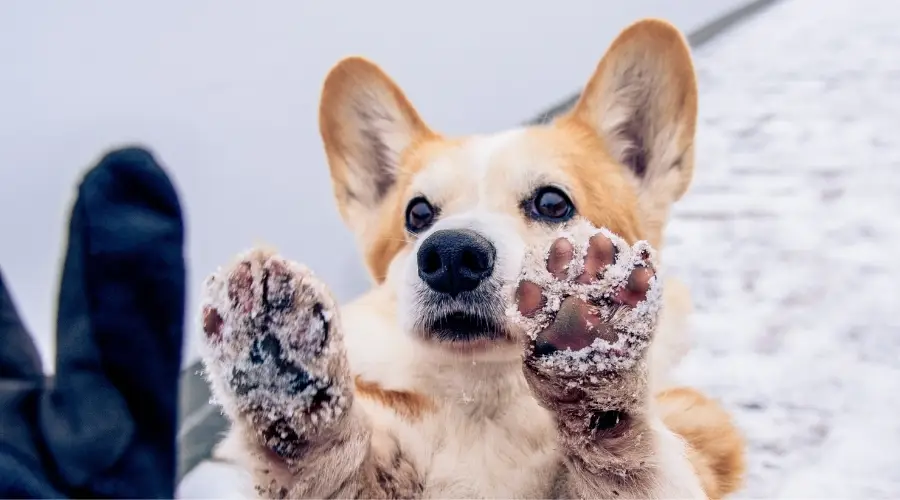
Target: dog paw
589,303
274,350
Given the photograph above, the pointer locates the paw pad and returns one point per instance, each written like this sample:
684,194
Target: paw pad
212,324
240,287
588,300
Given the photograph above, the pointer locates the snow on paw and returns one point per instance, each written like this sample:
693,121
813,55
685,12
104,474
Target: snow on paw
589,303
274,351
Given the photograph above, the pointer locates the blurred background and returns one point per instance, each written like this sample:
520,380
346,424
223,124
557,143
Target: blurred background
782,238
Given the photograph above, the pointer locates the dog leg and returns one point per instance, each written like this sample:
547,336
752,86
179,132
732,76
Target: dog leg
276,363
590,303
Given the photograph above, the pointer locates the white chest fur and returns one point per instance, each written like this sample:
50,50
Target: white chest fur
494,441
486,435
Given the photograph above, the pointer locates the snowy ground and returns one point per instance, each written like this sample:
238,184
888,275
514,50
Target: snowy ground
788,240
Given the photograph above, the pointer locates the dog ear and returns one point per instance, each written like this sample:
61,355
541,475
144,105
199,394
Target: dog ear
642,101
366,124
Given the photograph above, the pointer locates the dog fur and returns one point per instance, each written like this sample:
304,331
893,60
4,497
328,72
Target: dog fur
386,410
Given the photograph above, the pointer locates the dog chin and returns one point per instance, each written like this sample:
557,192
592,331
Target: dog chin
465,332
472,322
464,327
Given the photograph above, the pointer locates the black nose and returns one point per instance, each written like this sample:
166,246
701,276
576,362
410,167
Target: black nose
453,261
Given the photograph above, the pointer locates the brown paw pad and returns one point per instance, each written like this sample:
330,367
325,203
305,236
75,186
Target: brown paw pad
212,324
577,326
278,289
600,254
240,287
636,287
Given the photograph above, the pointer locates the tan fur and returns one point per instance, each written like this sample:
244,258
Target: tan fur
409,404
716,444
465,424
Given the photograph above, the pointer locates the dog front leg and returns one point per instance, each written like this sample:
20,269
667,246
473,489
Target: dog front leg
276,363
590,303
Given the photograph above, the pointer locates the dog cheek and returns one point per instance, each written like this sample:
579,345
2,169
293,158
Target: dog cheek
407,289
511,252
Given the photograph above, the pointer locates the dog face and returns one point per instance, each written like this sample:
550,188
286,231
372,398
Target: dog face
445,221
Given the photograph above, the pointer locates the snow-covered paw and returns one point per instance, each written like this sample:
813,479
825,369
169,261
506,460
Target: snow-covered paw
593,303
274,351
589,303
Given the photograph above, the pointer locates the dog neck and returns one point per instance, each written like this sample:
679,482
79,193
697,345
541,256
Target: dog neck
476,384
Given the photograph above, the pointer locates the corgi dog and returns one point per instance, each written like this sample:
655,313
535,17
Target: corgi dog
518,336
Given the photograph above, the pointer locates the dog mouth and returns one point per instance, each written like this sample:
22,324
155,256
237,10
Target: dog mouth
462,327
470,321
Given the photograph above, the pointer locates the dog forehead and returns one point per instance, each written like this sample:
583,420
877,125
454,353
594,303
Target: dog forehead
485,169
494,153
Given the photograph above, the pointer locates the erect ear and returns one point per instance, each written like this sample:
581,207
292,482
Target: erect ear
366,124
642,101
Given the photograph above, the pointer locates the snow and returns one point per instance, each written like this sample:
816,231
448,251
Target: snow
787,241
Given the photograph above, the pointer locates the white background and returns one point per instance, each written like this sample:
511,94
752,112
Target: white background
226,93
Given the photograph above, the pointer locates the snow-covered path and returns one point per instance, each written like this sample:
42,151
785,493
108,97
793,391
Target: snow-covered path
789,238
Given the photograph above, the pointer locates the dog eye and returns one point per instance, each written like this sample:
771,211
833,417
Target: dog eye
552,205
419,215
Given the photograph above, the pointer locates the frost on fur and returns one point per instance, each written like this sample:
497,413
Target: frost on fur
590,275
274,355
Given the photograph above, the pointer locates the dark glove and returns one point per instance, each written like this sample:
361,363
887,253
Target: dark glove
105,424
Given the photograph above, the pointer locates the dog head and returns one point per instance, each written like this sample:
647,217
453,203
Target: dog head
445,221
